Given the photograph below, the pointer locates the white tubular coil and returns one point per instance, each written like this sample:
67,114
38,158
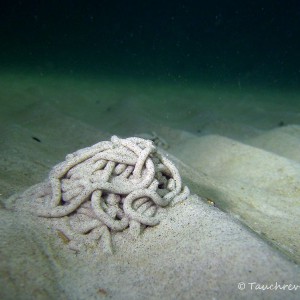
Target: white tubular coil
111,186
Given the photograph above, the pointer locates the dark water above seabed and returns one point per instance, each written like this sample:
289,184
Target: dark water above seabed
220,42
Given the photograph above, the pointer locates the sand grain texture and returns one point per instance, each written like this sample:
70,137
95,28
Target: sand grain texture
225,149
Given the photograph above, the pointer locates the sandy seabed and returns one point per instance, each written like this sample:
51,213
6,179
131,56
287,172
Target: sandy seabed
236,148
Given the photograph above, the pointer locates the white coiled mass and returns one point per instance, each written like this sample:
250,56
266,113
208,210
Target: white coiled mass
109,187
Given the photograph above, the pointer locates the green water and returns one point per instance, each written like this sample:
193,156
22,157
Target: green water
214,43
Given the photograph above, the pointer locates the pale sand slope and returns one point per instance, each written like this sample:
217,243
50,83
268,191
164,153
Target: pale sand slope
197,250
259,187
284,141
